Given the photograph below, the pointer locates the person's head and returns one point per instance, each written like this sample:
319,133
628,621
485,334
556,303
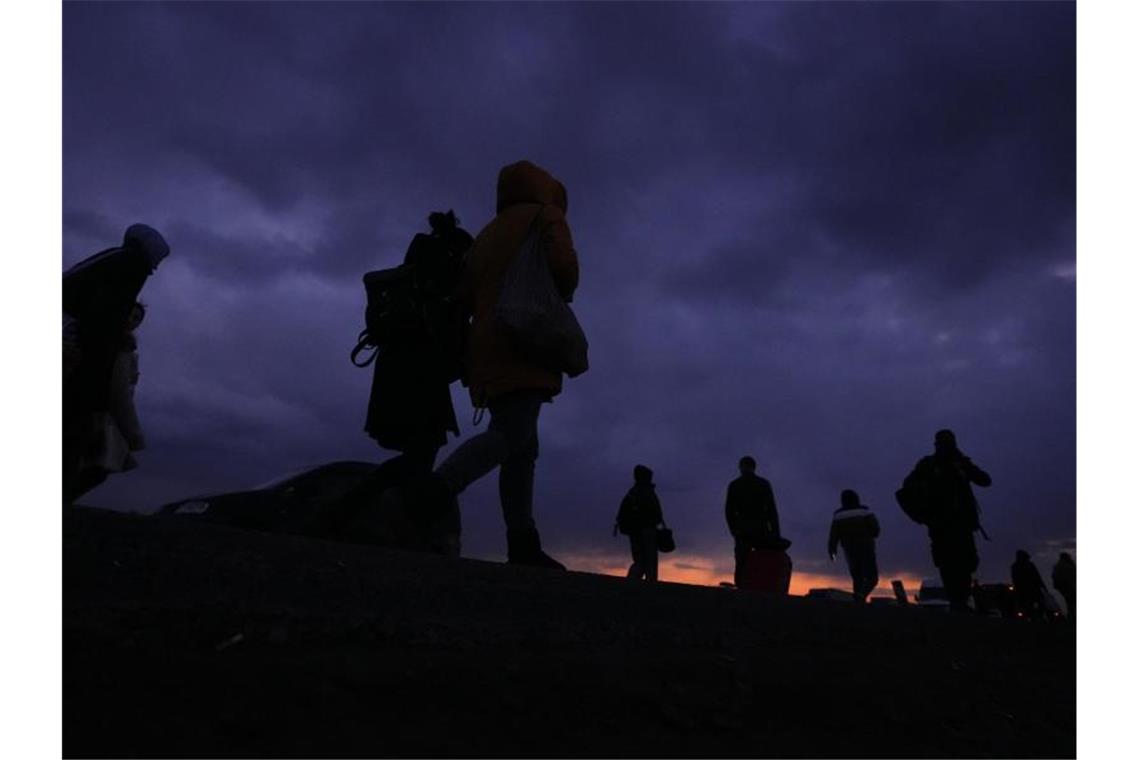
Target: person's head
945,442
747,465
1022,555
446,227
849,499
524,182
1066,557
642,475
137,315
149,241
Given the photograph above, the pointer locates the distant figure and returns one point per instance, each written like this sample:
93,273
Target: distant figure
1065,581
1028,588
99,295
639,517
501,377
855,528
114,433
940,483
417,343
750,509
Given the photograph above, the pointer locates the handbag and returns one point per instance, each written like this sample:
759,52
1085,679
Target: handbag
534,314
665,542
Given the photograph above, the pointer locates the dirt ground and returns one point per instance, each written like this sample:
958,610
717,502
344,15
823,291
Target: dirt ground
192,640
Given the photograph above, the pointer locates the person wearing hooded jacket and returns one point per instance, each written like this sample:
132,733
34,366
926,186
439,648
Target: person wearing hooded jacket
855,528
639,517
99,294
499,376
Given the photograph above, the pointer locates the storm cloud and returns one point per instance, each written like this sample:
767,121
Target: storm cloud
811,232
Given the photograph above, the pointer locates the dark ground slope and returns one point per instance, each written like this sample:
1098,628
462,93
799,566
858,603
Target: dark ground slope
194,640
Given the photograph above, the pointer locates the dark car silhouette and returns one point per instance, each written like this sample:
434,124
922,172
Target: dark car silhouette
303,501
293,503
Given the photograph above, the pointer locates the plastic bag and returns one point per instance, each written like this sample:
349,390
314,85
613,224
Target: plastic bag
534,314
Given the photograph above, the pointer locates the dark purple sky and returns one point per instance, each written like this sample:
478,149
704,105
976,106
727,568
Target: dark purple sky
814,233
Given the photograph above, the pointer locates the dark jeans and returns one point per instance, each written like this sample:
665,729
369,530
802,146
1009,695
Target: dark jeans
864,569
740,552
956,556
509,443
643,547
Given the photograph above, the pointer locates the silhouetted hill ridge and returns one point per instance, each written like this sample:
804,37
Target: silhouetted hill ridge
184,639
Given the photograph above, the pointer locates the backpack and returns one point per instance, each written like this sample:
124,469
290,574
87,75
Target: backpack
533,313
415,304
913,500
920,505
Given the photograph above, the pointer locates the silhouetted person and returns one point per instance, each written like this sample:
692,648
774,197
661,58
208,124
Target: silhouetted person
639,517
501,377
750,509
1065,581
99,294
855,528
1028,588
944,481
410,408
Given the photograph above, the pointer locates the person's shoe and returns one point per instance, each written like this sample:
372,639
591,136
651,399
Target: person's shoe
524,548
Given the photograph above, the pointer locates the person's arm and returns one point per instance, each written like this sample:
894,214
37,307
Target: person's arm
975,474
560,253
730,509
655,504
874,526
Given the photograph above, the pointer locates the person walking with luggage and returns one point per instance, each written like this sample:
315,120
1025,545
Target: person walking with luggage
854,528
100,294
639,518
510,381
1065,581
940,484
418,326
750,510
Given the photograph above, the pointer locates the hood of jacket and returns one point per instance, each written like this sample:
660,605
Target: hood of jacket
523,182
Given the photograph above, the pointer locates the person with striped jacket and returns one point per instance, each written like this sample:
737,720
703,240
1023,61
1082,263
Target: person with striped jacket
855,528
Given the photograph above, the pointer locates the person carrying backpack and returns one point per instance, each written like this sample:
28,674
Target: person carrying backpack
414,326
502,376
938,494
855,528
639,517
417,356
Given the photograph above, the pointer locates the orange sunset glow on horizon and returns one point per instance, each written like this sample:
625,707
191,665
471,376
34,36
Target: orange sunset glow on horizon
699,570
